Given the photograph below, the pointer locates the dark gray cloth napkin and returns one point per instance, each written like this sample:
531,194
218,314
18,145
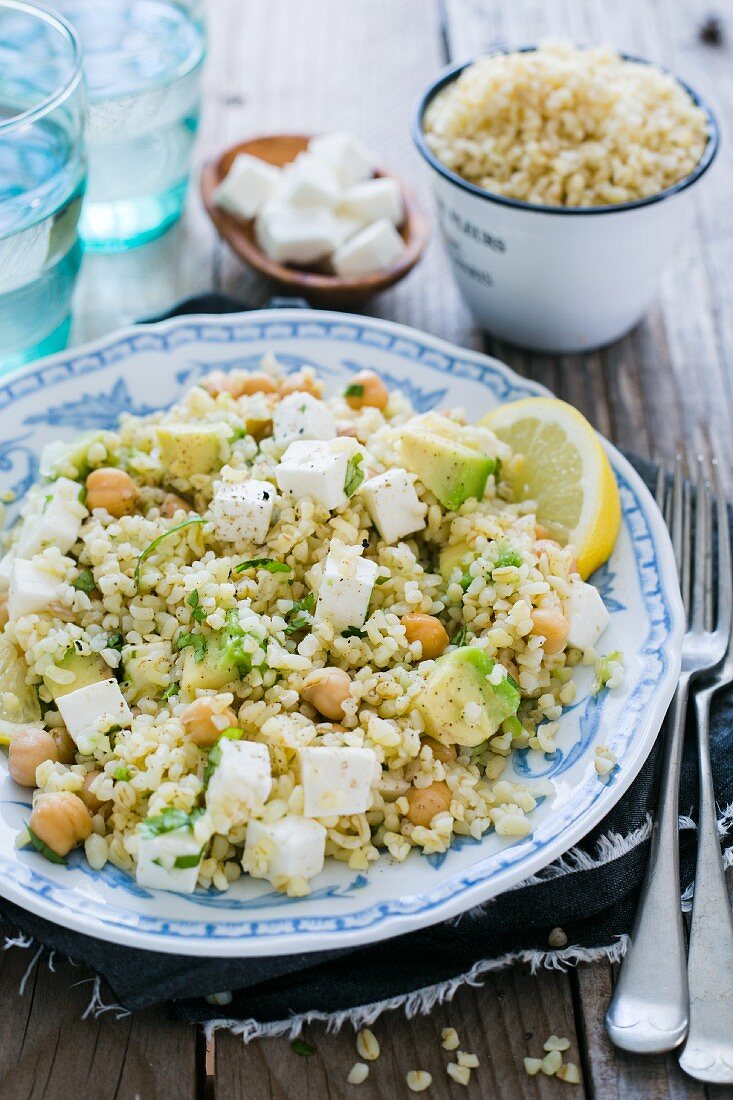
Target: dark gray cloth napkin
593,906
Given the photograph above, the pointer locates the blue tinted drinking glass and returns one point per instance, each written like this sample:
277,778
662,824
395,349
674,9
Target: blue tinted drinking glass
42,174
142,62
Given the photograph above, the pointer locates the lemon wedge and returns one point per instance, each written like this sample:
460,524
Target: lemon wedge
561,465
18,701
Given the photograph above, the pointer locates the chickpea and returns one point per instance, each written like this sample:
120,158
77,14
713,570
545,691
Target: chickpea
65,745
257,383
427,630
553,626
111,489
374,393
61,820
204,724
426,802
29,748
302,381
3,610
172,503
92,803
441,752
327,689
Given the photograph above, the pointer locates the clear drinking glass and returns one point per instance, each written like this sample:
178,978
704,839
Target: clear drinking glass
142,62
42,175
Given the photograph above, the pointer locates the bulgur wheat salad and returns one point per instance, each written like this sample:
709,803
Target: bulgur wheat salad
263,628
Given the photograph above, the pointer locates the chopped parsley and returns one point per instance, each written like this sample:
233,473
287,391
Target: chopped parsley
354,389
196,641
193,860
167,822
269,564
170,691
114,641
353,632
382,580
197,610
297,615
354,474
459,638
46,852
84,582
302,1048
122,774
153,546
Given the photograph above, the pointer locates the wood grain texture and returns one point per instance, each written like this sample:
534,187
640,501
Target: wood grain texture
501,1022
292,65
49,1051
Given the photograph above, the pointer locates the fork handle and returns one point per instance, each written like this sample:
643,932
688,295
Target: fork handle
648,1012
708,1052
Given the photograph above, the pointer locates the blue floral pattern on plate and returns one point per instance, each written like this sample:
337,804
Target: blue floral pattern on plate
145,369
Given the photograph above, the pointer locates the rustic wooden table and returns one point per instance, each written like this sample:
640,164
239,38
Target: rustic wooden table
666,388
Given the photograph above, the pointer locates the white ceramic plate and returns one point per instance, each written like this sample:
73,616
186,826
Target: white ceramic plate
144,369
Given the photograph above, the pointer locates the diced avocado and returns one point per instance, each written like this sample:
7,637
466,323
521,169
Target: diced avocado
452,557
459,679
452,471
187,449
224,659
145,664
88,669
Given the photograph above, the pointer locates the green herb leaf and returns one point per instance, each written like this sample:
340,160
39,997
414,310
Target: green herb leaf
382,580
298,620
465,581
354,474
353,632
354,389
114,641
269,564
122,774
507,556
46,852
182,862
459,637
166,822
212,762
198,643
156,543
170,691
302,1048
197,610
233,733
84,582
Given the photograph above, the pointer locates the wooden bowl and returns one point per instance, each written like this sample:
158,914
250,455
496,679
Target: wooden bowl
318,287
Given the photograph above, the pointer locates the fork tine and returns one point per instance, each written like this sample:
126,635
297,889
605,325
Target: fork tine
724,574
687,544
703,572
676,523
660,488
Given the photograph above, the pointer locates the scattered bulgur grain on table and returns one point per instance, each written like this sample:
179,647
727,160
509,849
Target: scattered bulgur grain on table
449,1038
418,1080
358,1073
367,1045
460,1074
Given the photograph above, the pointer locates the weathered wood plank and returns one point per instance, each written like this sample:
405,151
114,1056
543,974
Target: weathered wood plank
49,1052
506,1019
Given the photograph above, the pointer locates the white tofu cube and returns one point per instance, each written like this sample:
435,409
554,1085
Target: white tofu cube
346,587
240,784
293,847
58,524
242,510
169,861
393,504
337,781
308,182
586,614
31,589
295,234
90,712
374,199
302,416
319,470
371,250
346,154
6,569
248,185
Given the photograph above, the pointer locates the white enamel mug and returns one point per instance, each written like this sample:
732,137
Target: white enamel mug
555,278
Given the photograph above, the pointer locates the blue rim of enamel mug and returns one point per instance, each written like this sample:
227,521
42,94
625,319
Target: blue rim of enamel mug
453,72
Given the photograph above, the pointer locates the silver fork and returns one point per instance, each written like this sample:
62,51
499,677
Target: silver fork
649,1010
708,1050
